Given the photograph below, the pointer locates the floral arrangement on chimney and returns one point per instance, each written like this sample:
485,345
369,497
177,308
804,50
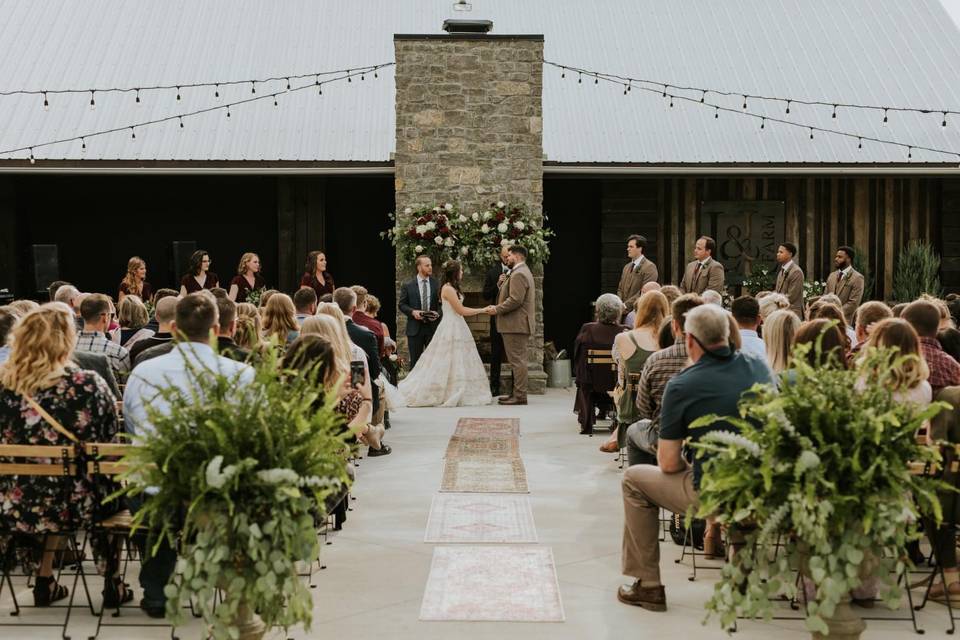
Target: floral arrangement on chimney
444,232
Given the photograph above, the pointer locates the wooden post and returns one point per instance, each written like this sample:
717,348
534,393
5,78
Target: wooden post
811,223
690,206
888,231
676,252
9,251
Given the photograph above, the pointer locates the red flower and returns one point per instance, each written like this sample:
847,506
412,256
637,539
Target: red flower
412,233
496,240
500,217
444,230
428,235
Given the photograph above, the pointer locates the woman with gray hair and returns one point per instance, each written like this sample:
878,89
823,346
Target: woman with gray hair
593,382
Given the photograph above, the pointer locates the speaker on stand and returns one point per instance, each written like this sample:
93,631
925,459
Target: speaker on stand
45,265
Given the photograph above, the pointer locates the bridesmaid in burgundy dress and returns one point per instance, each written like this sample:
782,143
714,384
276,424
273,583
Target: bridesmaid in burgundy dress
248,278
135,282
316,275
199,276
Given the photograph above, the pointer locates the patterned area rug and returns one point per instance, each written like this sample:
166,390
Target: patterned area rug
456,517
485,437
504,583
487,426
484,475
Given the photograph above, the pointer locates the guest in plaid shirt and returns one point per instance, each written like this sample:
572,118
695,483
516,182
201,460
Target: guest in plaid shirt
659,368
925,318
96,311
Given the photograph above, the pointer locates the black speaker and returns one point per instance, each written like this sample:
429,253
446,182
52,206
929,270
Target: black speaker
46,266
180,258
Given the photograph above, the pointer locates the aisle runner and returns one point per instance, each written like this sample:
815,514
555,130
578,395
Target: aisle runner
505,583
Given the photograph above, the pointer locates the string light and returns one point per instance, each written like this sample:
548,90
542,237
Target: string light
46,104
884,115
179,117
83,145
178,94
288,84
744,103
612,78
253,87
274,99
944,123
138,96
909,152
93,102
216,92
32,159
133,134
834,116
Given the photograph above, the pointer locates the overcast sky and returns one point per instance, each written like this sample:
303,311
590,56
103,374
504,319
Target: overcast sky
953,7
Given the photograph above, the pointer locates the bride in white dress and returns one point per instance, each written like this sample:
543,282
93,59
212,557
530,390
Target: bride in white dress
449,373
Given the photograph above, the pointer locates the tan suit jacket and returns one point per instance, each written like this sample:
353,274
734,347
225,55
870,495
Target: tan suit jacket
516,302
849,290
632,281
711,276
790,284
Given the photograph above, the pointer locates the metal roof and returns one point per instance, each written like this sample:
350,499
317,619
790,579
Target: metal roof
884,52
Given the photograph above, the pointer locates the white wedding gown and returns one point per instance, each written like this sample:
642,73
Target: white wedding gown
449,373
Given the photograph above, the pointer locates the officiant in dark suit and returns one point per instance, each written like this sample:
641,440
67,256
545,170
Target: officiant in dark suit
420,302
492,282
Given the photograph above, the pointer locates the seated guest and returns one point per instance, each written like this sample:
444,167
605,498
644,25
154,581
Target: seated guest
8,318
779,330
198,275
196,316
830,311
37,379
665,337
226,329
908,378
71,296
770,303
248,278
364,320
305,302
746,312
949,340
280,319
23,307
897,309
828,345
946,320
867,315
630,351
671,292
315,275
713,384
133,320
135,282
346,299
164,313
249,330
946,426
631,318
372,309
153,324
594,382
219,292
327,297
265,298
96,312
925,318
659,369
712,297
54,287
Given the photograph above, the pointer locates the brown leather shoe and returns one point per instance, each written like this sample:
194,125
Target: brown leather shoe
650,598
514,401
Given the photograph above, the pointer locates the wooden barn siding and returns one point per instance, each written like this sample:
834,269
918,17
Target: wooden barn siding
878,216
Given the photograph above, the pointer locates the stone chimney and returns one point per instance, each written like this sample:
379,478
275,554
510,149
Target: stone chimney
469,129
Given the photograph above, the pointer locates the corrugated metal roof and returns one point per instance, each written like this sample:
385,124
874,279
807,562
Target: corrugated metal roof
867,51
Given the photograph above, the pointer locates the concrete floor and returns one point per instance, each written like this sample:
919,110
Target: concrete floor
377,566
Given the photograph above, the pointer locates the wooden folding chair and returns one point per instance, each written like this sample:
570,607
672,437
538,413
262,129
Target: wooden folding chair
604,380
50,461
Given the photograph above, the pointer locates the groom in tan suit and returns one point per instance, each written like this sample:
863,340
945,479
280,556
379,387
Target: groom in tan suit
516,314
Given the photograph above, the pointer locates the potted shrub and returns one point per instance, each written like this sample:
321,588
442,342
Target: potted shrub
239,473
823,467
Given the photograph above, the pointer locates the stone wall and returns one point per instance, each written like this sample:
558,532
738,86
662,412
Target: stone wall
469,129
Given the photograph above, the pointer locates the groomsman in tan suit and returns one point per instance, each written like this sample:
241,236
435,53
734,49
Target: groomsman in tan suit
516,315
704,272
790,277
846,283
636,273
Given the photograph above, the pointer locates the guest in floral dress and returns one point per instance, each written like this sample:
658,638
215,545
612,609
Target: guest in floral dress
82,405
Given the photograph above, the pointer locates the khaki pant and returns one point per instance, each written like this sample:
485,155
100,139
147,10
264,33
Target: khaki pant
515,346
645,489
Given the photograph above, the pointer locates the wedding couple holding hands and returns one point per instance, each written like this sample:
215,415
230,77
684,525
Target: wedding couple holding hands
446,370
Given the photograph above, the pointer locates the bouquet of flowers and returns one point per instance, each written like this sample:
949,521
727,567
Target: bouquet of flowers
424,231
813,288
255,295
762,278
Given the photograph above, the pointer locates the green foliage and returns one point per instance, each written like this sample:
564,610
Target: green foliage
823,467
763,277
861,264
917,272
813,289
241,472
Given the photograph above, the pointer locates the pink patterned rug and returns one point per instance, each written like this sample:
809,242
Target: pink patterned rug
487,426
484,475
501,583
477,517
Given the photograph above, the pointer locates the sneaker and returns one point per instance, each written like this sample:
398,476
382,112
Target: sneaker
384,450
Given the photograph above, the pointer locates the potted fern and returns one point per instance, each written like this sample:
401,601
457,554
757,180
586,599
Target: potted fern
917,272
823,467
239,472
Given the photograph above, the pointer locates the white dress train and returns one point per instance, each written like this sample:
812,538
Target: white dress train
449,373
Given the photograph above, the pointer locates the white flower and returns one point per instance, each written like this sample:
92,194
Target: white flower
431,225
502,227
278,476
476,217
418,248
504,242
518,225
465,250
408,211
448,242
436,209
393,357
448,207
487,215
438,240
421,229
501,204
214,478
462,218
485,228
